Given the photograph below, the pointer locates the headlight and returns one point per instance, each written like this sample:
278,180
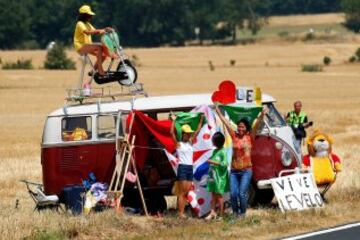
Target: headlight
285,157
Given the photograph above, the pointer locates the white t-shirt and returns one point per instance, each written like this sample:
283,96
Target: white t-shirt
185,153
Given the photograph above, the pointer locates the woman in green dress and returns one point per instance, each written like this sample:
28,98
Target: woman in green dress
218,179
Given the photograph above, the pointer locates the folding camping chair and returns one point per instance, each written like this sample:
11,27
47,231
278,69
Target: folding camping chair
41,200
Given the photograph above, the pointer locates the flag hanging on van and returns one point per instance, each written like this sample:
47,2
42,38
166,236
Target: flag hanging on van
144,126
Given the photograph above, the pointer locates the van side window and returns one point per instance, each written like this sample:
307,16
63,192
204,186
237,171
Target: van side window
76,128
122,125
106,127
166,115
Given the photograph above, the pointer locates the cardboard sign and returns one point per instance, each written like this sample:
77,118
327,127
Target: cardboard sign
296,192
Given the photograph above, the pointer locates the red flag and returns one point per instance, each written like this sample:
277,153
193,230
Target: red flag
142,127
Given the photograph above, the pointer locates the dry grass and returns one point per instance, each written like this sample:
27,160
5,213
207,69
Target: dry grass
300,20
331,99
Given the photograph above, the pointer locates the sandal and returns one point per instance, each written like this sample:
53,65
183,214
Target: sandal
211,216
219,218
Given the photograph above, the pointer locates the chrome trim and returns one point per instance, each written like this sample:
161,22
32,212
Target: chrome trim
264,184
294,171
76,143
82,114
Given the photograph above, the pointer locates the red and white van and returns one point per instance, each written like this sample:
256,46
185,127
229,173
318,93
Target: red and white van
68,157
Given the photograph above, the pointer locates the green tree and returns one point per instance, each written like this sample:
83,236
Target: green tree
205,14
56,59
53,20
244,14
15,22
288,7
153,22
352,10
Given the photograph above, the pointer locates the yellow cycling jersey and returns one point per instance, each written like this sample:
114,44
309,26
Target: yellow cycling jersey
81,38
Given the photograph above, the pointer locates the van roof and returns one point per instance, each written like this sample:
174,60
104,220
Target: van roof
143,104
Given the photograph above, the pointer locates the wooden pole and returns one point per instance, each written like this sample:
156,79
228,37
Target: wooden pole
139,187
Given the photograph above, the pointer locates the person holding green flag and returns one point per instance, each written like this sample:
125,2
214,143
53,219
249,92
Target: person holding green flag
241,166
218,179
184,150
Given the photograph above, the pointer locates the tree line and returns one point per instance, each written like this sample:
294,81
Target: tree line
34,23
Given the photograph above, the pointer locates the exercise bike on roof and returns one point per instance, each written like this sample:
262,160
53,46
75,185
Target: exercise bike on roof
124,73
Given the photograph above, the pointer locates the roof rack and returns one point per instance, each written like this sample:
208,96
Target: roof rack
80,95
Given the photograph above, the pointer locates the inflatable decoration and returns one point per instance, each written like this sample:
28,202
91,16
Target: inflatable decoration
320,159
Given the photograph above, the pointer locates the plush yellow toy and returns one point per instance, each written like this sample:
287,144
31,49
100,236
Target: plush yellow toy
320,159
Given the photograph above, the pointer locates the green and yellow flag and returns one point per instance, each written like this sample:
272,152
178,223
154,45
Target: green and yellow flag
190,118
237,112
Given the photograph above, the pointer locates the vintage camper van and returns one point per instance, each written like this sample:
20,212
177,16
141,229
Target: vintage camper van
80,138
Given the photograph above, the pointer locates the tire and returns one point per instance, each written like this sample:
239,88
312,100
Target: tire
260,197
132,70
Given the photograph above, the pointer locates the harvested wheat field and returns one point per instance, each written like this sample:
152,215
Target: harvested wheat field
331,98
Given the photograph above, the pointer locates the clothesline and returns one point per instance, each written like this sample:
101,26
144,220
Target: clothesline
152,148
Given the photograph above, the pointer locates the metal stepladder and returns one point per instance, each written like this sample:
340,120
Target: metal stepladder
85,60
124,157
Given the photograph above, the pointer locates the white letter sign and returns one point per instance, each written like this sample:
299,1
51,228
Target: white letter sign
296,192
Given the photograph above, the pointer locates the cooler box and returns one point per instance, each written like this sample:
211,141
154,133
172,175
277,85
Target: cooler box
73,197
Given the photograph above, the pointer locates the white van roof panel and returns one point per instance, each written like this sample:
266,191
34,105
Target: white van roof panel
142,104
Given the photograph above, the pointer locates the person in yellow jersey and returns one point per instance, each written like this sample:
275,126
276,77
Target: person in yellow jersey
82,37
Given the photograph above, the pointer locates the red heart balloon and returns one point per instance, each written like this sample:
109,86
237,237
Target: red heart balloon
226,93
228,87
216,96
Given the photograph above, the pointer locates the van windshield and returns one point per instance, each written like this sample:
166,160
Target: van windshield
273,118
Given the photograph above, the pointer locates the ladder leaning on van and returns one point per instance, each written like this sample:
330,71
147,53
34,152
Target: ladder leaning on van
124,157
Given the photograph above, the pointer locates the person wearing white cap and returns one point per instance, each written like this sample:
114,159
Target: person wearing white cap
82,37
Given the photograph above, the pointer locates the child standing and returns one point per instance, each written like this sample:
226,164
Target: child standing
218,180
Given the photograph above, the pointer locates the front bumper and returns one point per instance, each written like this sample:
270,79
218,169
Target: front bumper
266,184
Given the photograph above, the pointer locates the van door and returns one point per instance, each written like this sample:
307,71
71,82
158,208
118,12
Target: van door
78,154
105,138
73,159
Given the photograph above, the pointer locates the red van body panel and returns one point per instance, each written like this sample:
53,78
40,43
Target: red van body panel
266,159
64,165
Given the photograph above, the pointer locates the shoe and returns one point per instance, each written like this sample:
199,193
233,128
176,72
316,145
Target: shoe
211,216
86,91
219,218
241,216
99,75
